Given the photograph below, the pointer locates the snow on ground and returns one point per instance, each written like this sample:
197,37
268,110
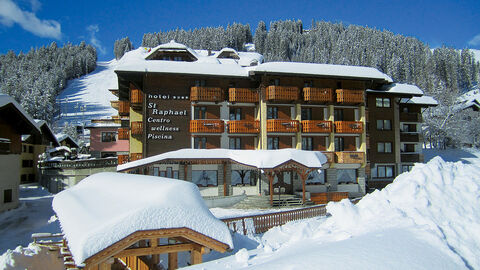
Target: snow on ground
428,218
88,97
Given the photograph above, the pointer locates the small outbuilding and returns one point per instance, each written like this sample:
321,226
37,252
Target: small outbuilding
125,221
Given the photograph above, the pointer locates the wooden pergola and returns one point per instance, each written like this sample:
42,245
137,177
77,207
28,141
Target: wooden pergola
141,249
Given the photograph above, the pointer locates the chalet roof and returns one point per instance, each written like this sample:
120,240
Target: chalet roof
261,159
399,89
69,140
105,208
12,112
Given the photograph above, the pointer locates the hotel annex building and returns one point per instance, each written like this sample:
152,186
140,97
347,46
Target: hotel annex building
172,97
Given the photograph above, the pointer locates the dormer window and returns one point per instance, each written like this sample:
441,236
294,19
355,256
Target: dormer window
228,53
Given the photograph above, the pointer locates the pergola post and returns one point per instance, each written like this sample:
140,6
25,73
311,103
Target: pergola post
196,256
270,175
172,260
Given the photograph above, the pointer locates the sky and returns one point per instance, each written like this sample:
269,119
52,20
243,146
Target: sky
26,24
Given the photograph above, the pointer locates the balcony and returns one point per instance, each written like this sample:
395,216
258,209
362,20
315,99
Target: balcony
284,93
410,117
114,91
123,108
136,98
122,159
330,156
242,126
409,137
350,157
135,156
348,127
206,126
350,96
411,157
320,95
201,93
316,126
114,104
282,125
137,128
123,134
242,95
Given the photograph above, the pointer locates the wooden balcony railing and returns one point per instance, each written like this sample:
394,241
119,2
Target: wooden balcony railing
201,93
282,125
350,157
207,126
122,159
114,104
243,126
410,117
136,97
409,137
123,134
242,95
123,108
330,156
348,127
137,128
350,96
135,156
322,95
316,126
286,93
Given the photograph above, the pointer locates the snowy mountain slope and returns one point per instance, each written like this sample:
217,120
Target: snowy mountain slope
88,97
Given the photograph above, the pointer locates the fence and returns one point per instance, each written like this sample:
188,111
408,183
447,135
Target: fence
261,223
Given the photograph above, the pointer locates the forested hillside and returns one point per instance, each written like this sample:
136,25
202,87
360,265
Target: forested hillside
34,79
444,72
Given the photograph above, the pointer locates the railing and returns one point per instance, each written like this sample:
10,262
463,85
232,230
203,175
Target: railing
136,97
137,128
414,157
348,127
80,164
243,126
242,95
330,156
350,157
410,117
206,126
201,93
325,197
282,125
316,126
322,95
123,108
135,156
123,134
350,96
289,93
256,224
406,137
122,159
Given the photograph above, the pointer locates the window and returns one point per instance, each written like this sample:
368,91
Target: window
199,112
338,115
345,176
7,196
235,143
27,163
275,82
200,83
382,102
308,84
306,113
108,154
30,149
272,112
177,58
316,178
204,178
5,146
384,147
199,142
169,172
339,144
244,177
272,143
384,125
407,168
235,113
109,136
409,148
307,143
339,85
24,149
383,171
409,128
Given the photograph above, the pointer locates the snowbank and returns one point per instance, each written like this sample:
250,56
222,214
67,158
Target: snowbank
106,207
31,257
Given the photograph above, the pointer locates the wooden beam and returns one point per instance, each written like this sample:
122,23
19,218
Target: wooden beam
196,256
172,260
155,250
270,176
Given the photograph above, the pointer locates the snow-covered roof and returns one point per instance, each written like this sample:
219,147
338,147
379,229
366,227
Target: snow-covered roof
104,208
469,99
399,88
326,70
103,124
6,100
423,100
262,159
